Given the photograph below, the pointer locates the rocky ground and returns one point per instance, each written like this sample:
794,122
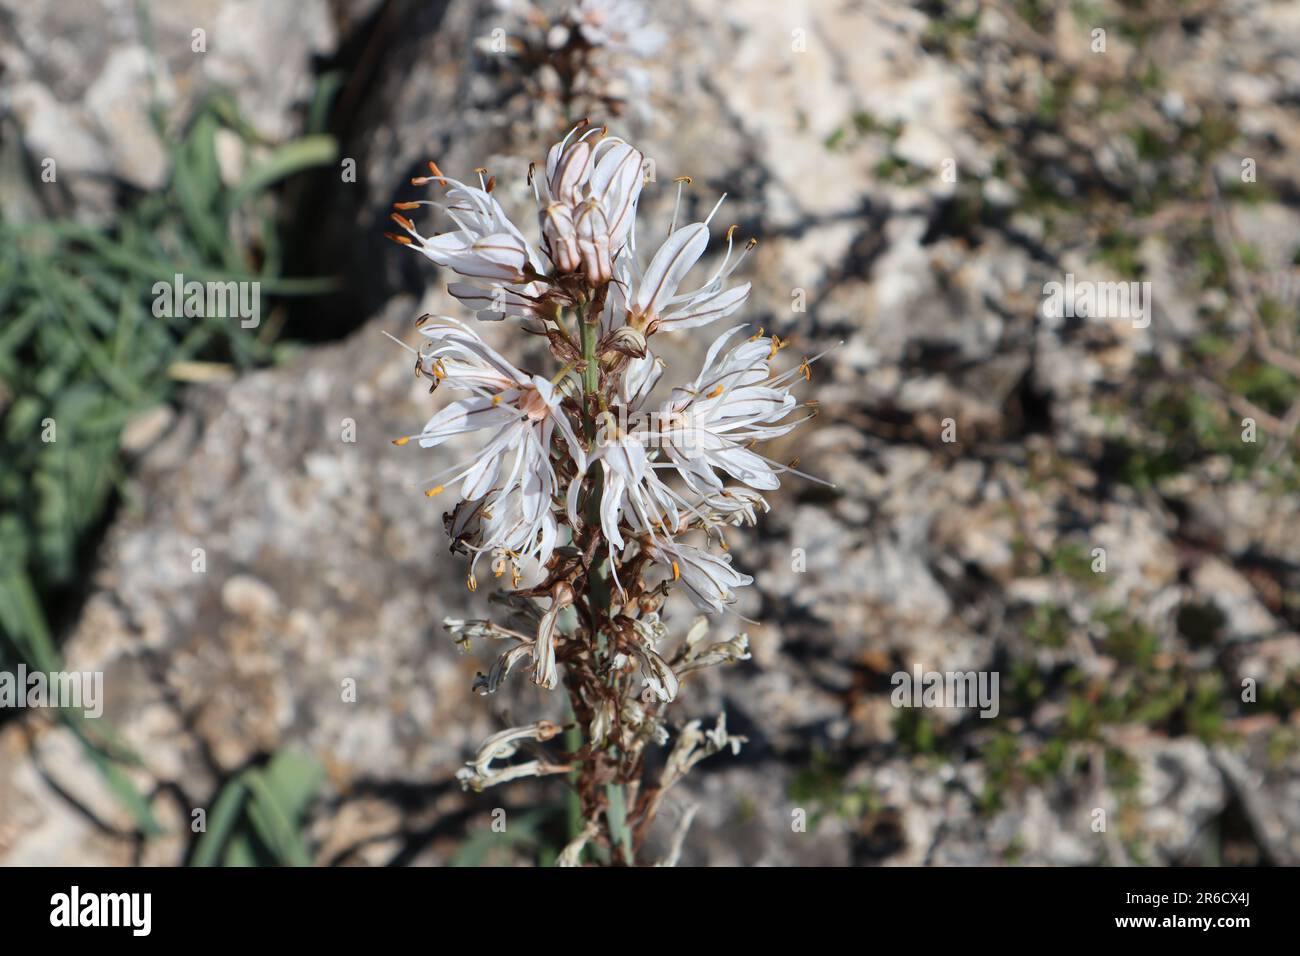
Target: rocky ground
915,173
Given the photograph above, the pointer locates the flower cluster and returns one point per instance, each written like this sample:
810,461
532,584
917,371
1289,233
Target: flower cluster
595,489
579,53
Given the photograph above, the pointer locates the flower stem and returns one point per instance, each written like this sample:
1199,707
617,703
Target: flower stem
573,800
598,593
590,333
616,815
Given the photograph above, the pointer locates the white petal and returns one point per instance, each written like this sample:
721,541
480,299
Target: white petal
669,266
706,309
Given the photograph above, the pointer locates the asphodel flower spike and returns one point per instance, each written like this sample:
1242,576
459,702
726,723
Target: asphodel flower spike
597,490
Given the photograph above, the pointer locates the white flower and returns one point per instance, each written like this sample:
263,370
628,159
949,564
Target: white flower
463,632
694,745
632,492
517,526
618,25
704,428
541,648
639,378
522,411
656,673
513,472
723,652
593,184
479,773
734,506
586,206
500,670
485,245
654,303
544,672
709,579
734,402
720,739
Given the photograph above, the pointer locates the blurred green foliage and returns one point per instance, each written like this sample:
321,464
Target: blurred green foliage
256,818
82,352
487,846
821,786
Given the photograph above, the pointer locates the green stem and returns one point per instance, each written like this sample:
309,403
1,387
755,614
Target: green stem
598,594
597,589
616,816
591,374
573,800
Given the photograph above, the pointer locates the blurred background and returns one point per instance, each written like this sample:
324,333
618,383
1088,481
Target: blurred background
220,525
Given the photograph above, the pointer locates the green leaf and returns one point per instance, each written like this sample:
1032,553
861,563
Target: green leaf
521,830
273,817
220,823
22,620
291,158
